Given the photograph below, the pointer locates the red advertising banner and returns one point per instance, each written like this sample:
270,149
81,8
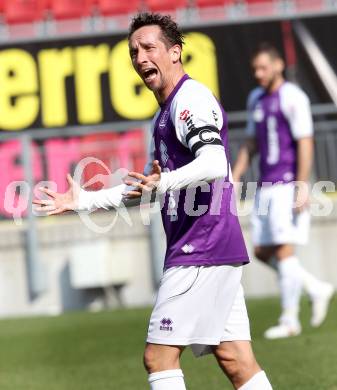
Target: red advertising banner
54,158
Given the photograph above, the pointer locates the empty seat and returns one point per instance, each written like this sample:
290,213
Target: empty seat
71,9
261,7
24,11
117,7
309,6
258,1
211,3
165,5
213,9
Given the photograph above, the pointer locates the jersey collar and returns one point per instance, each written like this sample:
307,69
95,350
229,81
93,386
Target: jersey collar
175,90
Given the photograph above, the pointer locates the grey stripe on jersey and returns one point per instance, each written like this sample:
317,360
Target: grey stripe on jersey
197,137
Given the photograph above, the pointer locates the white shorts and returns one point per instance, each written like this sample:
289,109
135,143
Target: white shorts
274,221
200,307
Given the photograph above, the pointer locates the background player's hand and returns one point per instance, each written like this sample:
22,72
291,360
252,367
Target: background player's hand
301,198
237,186
143,183
58,203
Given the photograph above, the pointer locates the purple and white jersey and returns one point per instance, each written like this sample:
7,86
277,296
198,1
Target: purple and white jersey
278,120
199,226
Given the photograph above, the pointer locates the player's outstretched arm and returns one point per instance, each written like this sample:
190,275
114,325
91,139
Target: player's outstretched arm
77,199
58,203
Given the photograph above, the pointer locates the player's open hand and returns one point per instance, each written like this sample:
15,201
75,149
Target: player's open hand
143,183
58,203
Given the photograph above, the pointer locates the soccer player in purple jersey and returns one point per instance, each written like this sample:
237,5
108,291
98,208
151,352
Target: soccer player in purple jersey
280,130
200,301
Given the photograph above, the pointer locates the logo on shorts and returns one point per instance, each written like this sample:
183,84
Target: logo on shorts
165,324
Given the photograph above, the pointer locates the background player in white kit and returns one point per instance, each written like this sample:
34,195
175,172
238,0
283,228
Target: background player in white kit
200,300
280,130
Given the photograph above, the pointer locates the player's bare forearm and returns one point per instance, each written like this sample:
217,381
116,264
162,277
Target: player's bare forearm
246,153
304,164
305,152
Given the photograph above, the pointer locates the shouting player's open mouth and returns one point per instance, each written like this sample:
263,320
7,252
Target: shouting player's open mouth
149,75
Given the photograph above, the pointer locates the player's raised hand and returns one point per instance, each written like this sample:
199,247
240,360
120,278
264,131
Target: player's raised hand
58,203
143,183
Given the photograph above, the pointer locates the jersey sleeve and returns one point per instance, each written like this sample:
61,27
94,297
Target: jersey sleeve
296,108
197,117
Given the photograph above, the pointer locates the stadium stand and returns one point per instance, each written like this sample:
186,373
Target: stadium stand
23,11
71,9
165,5
212,3
18,12
261,7
309,6
112,8
214,9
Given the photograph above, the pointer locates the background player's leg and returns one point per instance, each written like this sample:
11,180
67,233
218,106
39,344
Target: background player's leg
319,292
162,363
265,253
290,282
238,362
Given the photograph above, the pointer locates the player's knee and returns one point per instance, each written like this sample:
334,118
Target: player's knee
239,367
157,359
150,360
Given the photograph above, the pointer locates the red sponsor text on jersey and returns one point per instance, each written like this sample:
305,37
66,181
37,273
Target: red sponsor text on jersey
184,115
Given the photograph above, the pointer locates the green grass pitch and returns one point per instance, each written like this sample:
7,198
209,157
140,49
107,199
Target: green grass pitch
103,351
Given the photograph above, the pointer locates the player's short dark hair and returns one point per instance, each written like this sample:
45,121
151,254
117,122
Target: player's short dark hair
268,48
169,28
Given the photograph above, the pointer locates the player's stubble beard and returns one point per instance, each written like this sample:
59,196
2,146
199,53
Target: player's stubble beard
275,81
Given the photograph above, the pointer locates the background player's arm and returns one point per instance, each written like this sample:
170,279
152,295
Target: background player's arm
296,107
305,154
249,148
246,153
